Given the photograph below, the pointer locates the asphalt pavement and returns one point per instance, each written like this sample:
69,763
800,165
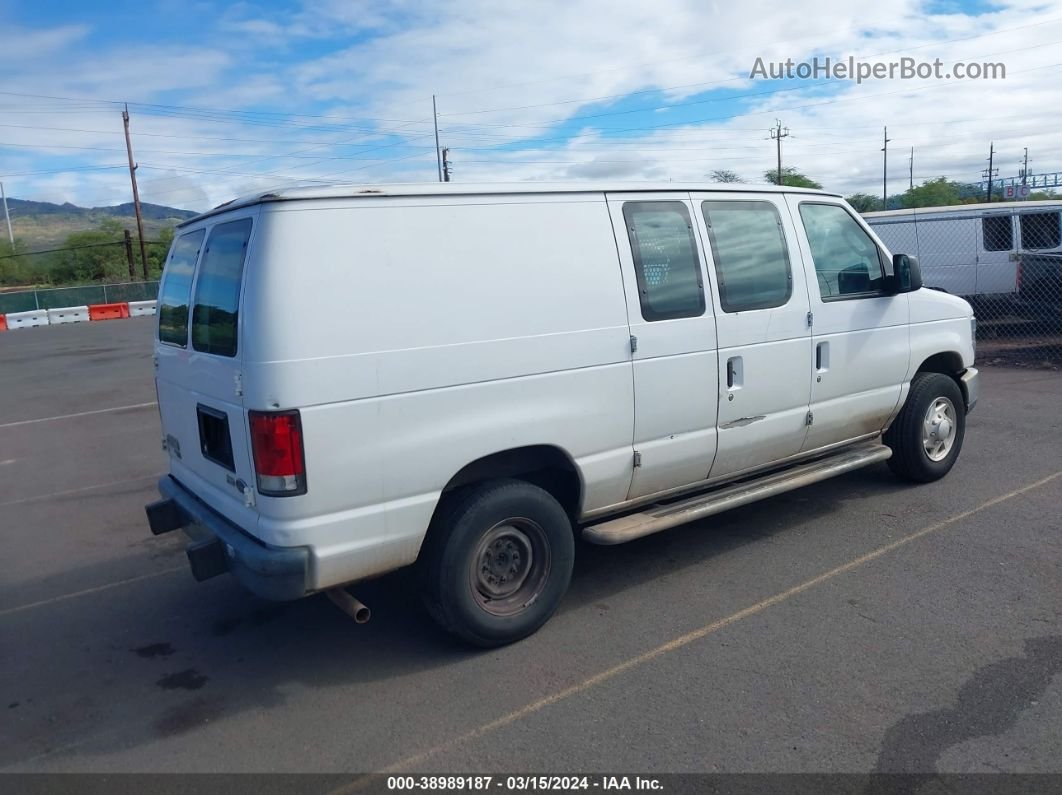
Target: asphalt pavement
857,625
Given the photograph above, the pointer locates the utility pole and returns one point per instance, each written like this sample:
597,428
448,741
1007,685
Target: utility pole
1025,168
990,172
777,134
446,164
885,171
136,193
910,167
7,216
438,155
129,255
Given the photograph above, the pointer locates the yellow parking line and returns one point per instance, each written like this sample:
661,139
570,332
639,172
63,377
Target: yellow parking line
413,761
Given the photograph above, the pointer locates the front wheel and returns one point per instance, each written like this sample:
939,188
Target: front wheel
928,433
498,559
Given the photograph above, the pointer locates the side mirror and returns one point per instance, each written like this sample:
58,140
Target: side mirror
906,274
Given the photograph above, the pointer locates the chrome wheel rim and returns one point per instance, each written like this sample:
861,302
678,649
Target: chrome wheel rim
510,566
938,429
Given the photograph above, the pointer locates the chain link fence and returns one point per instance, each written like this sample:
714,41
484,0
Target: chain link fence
1005,259
54,298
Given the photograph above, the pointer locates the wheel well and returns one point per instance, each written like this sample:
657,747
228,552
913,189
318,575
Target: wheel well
548,467
947,363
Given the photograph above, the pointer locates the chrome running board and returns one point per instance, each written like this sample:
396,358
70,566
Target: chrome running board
661,517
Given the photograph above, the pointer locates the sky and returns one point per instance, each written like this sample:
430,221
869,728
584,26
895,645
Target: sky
231,98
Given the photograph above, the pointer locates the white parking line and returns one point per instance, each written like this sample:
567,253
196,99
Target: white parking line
68,492
87,591
78,414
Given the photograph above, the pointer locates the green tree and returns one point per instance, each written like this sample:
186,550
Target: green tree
157,251
939,192
864,202
14,265
91,256
792,178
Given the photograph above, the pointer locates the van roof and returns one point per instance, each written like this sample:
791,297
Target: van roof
967,208
305,192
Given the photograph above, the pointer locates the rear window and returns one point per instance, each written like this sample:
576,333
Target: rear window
217,291
1040,230
665,260
998,232
177,288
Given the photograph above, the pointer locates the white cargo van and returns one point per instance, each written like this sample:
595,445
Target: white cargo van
1000,256
353,380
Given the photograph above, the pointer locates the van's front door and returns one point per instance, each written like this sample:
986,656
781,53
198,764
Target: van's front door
761,304
861,334
198,376
673,343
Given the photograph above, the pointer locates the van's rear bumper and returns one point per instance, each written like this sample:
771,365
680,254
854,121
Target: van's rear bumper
280,573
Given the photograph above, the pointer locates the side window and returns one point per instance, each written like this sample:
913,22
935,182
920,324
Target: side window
1039,230
751,258
665,259
217,292
176,289
997,232
847,262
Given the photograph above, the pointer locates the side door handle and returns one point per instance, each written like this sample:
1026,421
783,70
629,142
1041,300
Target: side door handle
735,372
822,357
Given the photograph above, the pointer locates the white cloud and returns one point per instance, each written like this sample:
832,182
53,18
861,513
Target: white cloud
361,71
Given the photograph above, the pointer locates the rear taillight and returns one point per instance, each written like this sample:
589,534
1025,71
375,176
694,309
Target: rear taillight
276,444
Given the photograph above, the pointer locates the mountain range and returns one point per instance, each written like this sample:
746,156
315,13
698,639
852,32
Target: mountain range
43,225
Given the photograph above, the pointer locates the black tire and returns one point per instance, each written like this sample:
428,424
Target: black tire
909,438
488,540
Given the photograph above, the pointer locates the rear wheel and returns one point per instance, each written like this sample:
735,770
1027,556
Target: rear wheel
497,561
928,433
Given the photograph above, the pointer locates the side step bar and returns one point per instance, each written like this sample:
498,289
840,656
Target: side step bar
662,517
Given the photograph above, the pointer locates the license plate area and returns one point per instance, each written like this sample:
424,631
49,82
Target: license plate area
215,443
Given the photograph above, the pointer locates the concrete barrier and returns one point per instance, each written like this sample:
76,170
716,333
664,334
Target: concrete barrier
35,317
139,308
108,311
68,314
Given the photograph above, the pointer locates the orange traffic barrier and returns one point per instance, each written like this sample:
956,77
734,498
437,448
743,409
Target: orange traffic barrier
108,311
3,322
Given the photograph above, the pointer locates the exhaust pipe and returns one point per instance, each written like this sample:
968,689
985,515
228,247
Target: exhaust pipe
349,605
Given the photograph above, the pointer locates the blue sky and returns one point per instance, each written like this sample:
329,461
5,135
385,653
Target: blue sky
231,98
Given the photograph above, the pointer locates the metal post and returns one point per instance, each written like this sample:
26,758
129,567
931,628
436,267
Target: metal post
438,154
7,215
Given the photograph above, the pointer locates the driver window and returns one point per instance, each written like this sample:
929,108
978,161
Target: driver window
847,262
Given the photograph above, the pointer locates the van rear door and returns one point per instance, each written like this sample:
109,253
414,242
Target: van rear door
198,365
